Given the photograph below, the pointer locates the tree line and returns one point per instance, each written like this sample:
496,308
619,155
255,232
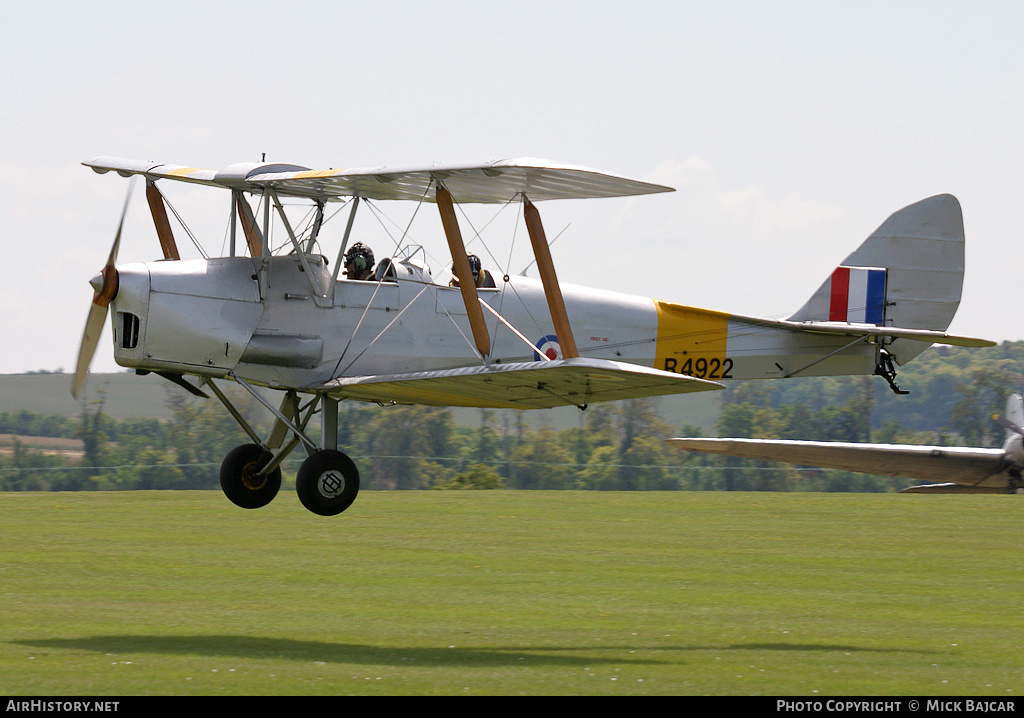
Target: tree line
955,396
398,447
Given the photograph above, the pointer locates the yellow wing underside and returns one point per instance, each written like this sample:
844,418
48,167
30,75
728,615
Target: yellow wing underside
525,385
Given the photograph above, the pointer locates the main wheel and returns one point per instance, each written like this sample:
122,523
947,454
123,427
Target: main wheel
327,482
240,478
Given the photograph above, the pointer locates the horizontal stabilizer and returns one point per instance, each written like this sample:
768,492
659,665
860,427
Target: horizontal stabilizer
866,330
926,463
524,385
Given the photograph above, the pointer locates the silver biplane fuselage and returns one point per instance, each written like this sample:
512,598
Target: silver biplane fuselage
284,324
294,322
280,323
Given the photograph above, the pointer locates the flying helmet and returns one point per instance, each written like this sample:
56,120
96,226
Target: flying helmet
474,267
360,257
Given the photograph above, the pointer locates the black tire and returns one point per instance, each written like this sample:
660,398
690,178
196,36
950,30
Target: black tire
327,482
241,483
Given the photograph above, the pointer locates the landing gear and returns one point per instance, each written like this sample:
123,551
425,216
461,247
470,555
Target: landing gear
241,480
327,482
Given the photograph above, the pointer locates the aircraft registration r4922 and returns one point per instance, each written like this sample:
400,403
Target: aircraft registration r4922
391,330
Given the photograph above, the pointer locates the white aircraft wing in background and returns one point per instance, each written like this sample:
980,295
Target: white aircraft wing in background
948,469
960,465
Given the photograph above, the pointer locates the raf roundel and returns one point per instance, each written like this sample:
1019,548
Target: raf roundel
547,348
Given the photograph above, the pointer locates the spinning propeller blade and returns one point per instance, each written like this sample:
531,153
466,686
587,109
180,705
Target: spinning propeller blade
105,285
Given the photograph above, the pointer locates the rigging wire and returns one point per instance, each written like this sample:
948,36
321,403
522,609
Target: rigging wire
373,295
185,227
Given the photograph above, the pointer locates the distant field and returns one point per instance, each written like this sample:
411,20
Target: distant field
45,443
128,395
502,593
125,394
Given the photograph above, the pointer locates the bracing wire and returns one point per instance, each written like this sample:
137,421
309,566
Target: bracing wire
185,227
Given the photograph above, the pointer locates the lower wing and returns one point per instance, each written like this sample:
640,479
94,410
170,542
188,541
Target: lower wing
523,385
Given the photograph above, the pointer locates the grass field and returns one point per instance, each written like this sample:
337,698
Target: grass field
500,593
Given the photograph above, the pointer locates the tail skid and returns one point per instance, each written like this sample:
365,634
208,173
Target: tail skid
885,369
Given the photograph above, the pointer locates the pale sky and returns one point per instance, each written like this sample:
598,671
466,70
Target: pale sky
790,131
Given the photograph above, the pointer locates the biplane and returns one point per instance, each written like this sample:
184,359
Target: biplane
946,469
396,332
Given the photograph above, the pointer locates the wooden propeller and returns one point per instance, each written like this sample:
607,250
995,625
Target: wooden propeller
105,286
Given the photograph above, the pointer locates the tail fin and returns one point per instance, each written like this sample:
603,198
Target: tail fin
907,274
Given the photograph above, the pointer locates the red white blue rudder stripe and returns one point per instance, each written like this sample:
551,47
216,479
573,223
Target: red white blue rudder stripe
857,294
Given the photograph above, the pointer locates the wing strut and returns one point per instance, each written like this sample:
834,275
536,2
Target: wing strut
344,245
462,269
320,294
163,225
249,226
556,304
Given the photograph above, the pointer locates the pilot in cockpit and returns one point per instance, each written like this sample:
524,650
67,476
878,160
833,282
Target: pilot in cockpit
481,277
359,262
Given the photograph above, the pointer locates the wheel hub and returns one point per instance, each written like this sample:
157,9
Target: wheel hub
251,477
331,483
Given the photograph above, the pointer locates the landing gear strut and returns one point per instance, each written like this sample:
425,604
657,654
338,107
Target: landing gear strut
327,481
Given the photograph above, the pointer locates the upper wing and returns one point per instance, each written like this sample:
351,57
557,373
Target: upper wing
154,170
927,463
524,385
498,181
